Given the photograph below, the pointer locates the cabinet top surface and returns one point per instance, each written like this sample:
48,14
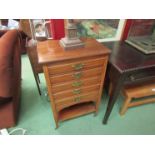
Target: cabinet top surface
127,58
51,51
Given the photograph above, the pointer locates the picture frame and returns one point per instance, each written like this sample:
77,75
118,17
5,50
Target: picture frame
103,30
40,29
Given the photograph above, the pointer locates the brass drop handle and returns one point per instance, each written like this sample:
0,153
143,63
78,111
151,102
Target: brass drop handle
77,99
77,75
132,78
77,84
78,66
76,91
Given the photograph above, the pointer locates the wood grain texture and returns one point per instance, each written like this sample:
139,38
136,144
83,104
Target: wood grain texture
72,76
50,51
71,67
75,91
75,111
55,114
67,102
71,84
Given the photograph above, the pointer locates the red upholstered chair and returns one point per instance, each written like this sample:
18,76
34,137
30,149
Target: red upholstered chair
10,77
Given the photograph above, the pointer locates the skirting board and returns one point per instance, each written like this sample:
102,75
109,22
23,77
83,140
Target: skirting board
4,132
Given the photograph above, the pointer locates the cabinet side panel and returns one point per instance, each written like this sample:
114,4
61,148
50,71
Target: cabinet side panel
102,82
48,83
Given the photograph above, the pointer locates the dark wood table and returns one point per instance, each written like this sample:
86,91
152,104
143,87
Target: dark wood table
127,65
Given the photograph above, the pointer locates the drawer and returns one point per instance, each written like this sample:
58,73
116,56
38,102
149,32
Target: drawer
76,84
141,76
61,104
76,91
76,75
75,66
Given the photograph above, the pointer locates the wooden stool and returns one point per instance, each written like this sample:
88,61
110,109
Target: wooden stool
137,92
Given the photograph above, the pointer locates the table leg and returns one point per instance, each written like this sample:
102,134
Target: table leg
117,86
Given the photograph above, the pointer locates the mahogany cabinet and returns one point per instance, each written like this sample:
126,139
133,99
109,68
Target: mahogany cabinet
74,78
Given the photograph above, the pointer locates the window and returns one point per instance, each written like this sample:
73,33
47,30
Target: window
8,24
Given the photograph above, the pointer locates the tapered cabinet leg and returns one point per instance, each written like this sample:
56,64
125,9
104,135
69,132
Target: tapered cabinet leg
56,125
125,106
38,78
97,103
39,90
116,88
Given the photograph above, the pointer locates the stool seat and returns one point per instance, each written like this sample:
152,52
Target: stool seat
137,92
140,90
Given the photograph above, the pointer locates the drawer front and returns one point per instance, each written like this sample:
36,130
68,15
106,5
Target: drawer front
76,75
141,76
76,84
76,91
140,91
75,100
76,66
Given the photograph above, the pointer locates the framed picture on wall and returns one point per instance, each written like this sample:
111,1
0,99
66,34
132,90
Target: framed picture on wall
101,29
40,29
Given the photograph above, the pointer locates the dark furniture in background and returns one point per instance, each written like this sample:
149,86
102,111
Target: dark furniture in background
31,49
10,77
27,26
127,66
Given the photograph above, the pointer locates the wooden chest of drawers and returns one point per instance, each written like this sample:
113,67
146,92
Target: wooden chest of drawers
74,78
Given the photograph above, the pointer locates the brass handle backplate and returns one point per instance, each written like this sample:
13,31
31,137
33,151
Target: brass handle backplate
78,66
76,91
77,99
77,84
132,78
77,75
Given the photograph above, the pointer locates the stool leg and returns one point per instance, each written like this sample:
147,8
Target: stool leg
125,106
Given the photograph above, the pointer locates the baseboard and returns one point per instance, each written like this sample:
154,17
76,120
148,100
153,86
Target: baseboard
4,132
